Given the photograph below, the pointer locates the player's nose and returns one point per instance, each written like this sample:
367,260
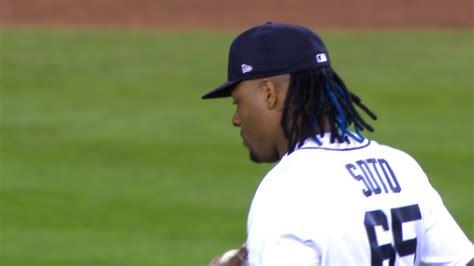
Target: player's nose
235,120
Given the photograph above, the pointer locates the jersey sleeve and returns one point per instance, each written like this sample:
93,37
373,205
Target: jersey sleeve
445,242
285,239
286,232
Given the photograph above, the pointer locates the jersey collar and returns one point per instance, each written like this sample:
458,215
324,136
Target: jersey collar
325,144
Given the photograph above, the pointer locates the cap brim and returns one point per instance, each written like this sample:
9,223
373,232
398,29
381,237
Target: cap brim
222,91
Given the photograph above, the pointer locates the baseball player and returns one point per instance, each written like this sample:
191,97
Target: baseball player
335,197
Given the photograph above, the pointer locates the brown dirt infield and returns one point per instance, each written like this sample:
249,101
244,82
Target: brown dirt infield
230,14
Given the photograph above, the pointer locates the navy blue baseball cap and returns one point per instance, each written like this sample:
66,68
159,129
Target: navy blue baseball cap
271,49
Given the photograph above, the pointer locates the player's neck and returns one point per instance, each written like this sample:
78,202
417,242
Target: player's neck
282,145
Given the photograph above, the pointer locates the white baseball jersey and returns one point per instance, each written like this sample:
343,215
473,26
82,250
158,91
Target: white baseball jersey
351,204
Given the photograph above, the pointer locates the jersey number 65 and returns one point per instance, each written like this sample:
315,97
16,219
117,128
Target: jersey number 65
379,253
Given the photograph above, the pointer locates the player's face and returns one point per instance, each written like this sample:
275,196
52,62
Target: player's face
259,125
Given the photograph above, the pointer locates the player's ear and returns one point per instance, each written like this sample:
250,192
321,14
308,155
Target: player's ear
274,90
269,90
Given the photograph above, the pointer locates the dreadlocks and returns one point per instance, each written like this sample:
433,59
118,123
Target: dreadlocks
317,101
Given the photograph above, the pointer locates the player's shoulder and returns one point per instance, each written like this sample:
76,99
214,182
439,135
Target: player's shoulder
395,154
390,149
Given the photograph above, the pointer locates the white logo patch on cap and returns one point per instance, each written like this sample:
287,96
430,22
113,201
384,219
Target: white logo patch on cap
246,68
321,58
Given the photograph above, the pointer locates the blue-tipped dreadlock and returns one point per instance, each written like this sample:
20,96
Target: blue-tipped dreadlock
317,101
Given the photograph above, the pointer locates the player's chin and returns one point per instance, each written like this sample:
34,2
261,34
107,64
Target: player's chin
259,158
254,158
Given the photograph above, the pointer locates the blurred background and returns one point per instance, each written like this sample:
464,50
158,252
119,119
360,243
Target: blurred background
109,157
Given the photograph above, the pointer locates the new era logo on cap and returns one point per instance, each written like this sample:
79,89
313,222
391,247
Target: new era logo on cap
246,68
321,58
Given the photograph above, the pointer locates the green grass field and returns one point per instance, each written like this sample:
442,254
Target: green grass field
109,157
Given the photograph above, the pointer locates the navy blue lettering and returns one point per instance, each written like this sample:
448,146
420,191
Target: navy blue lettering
369,176
374,166
390,176
368,172
367,190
